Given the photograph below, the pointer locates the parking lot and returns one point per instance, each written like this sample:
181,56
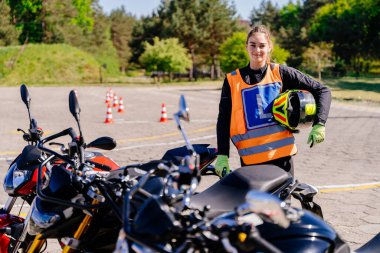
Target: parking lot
345,167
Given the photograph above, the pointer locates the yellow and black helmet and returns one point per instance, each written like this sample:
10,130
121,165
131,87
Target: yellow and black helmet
294,107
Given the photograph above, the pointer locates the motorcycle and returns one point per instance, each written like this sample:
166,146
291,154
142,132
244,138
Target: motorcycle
21,179
262,222
80,206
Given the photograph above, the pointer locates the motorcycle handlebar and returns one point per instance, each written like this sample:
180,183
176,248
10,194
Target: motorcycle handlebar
61,201
68,131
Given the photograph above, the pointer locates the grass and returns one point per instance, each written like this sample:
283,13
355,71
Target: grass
352,89
59,64
43,64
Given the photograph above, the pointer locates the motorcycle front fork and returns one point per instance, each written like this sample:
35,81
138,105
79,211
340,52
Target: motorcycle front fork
9,204
72,243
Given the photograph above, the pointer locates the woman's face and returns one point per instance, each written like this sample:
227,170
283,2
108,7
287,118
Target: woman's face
258,49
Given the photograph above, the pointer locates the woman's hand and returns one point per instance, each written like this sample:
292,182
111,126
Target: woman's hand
317,135
222,167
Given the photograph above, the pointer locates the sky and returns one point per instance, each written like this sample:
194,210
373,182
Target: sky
145,7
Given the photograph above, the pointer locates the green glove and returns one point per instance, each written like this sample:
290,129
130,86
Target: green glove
317,135
222,167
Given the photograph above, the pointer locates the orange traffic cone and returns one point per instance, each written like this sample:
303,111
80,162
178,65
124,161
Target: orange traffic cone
108,97
115,101
164,116
108,115
121,105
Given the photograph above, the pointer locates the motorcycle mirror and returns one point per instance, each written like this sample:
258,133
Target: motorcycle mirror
268,205
25,95
183,109
34,123
74,105
105,143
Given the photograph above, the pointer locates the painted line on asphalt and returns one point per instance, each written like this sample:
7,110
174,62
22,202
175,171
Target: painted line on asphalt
155,137
9,153
162,143
348,187
139,139
124,121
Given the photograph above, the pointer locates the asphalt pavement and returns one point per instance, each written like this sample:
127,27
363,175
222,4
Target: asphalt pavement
345,167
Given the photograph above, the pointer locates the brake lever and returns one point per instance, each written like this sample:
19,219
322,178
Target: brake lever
20,130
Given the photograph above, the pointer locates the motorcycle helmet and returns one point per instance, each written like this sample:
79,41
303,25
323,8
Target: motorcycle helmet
294,108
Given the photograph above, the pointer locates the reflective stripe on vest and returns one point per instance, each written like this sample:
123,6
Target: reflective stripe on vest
266,147
253,130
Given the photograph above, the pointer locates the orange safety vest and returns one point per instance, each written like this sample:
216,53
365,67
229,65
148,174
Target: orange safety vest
253,130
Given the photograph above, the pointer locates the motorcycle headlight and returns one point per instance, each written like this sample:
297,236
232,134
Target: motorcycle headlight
8,180
20,176
15,178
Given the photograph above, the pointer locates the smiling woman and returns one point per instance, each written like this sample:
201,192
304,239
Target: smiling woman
245,108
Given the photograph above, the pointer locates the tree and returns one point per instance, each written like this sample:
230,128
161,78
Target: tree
184,17
52,21
147,28
121,33
84,14
233,54
279,55
318,57
27,16
8,32
59,25
360,36
266,14
217,23
291,33
165,55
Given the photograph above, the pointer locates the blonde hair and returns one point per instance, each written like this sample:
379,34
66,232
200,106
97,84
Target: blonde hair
261,29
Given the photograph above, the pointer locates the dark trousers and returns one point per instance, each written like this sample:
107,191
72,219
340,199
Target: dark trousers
285,163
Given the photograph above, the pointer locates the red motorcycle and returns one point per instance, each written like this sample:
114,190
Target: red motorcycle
21,178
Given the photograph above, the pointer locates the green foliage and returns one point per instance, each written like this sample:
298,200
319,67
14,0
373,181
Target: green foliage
279,55
59,24
233,53
357,34
27,15
266,14
291,32
8,32
318,57
40,64
121,33
217,24
83,18
148,28
52,21
165,55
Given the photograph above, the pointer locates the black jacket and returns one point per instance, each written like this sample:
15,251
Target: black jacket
291,79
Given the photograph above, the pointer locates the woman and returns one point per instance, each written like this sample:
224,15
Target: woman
258,138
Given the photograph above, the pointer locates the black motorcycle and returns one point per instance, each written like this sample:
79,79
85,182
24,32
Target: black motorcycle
79,206
170,221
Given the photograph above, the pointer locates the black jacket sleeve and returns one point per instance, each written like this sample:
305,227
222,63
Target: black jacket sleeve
224,120
294,79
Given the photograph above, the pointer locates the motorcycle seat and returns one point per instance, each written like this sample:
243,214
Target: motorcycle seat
230,191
